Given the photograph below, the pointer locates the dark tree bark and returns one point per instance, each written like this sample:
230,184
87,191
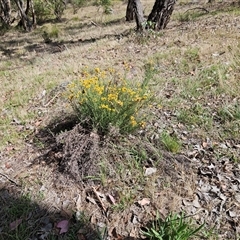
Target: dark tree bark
5,12
130,11
161,13
135,10
28,23
27,15
157,19
138,12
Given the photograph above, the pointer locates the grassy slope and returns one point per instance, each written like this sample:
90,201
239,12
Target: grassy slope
197,99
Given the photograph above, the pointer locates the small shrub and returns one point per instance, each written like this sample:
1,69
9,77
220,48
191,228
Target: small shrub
171,143
106,4
229,113
50,32
58,7
190,16
106,100
196,115
174,227
77,4
43,10
192,55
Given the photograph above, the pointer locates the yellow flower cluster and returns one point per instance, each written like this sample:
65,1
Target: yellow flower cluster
105,106
107,94
133,121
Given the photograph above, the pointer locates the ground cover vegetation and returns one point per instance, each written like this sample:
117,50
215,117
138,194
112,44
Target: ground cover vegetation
108,100
111,134
29,14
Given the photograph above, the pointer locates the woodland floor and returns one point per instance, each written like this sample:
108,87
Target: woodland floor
52,169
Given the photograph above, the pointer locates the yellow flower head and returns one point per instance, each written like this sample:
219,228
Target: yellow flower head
133,121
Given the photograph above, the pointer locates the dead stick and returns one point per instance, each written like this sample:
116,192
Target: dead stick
51,100
199,8
9,179
99,199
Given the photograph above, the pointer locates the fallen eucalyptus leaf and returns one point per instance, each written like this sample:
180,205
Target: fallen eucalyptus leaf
15,224
144,201
237,197
223,197
112,199
215,189
196,203
63,225
79,203
92,200
232,214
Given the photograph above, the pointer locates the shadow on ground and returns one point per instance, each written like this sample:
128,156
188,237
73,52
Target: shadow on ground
22,218
10,47
51,46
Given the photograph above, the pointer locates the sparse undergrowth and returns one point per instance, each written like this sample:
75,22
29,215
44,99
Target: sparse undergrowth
186,158
174,227
105,100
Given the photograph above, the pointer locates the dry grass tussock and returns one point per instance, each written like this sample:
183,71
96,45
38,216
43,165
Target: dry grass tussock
185,159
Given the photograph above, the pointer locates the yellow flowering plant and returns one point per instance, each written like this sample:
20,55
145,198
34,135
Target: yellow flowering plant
105,98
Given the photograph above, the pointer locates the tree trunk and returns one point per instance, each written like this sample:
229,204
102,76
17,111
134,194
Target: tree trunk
161,13
25,21
138,14
157,19
34,20
5,12
130,11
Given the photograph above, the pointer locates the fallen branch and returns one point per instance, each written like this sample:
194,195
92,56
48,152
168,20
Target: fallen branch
99,199
9,179
52,99
199,8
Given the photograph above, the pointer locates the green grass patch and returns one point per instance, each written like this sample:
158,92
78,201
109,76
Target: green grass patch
196,115
230,112
171,143
190,16
50,32
174,227
232,9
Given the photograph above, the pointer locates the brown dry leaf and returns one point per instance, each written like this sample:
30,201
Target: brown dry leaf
237,197
115,235
81,237
63,225
38,123
15,224
8,165
196,203
232,214
92,200
79,203
204,144
144,201
133,233
112,199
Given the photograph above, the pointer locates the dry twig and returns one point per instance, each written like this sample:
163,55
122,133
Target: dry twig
9,179
99,199
199,8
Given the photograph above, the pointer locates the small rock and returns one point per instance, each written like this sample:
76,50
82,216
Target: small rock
150,171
